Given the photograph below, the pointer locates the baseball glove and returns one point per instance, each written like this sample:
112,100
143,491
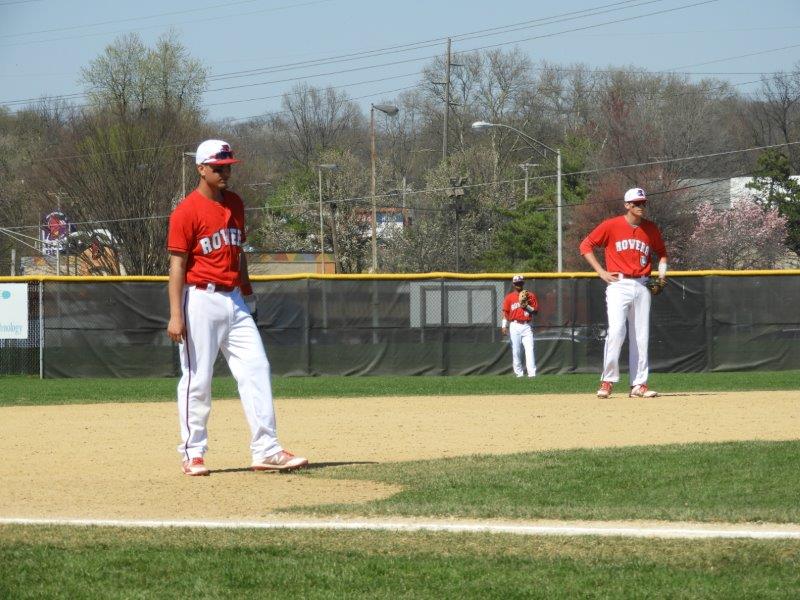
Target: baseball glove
656,286
524,298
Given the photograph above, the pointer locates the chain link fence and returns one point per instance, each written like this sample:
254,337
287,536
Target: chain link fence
414,326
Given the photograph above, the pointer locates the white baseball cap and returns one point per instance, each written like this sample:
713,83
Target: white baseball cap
518,279
214,152
635,195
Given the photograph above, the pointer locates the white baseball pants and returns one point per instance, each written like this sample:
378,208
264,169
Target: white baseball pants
221,321
627,302
521,336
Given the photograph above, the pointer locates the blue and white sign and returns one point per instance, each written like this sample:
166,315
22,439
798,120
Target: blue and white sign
13,311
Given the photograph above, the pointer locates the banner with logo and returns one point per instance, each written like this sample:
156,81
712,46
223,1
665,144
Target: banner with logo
55,228
13,311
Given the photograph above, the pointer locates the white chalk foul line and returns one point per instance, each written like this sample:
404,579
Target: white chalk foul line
565,529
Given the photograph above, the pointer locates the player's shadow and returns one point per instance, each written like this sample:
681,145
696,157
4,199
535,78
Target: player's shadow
325,465
310,467
677,394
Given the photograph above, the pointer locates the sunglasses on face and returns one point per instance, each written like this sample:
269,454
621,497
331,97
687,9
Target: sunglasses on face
219,168
643,203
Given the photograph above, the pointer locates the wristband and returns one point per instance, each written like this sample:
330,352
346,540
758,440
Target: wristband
504,323
662,270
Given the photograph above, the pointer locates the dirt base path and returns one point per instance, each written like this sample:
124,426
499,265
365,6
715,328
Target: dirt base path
118,461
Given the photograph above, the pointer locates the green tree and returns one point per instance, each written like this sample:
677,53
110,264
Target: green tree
117,165
774,188
527,238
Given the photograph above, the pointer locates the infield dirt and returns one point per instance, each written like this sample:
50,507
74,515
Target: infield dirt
115,461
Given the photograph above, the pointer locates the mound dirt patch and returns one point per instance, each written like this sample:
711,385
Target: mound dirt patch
115,461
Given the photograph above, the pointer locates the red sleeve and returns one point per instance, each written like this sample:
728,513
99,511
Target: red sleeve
507,306
180,237
597,238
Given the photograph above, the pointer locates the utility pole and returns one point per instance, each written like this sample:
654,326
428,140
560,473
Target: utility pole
525,167
456,192
446,102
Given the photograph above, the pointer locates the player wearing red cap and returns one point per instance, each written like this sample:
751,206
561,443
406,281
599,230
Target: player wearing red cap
207,281
629,242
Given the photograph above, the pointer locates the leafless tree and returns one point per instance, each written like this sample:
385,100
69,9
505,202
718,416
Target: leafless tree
315,120
117,165
777,111
129,78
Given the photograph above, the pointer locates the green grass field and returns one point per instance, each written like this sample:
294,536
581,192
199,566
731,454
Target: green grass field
733,482
741,482
23,390
61,562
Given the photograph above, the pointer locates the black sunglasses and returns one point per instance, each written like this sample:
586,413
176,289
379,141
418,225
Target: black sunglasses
641,203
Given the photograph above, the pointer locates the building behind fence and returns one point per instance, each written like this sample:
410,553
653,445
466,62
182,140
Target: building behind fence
434,324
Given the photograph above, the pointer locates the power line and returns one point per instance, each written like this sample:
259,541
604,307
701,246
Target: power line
214,18
539,22
719,60
467,186
429,43
128,20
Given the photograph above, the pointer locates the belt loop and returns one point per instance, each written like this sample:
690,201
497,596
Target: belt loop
210,287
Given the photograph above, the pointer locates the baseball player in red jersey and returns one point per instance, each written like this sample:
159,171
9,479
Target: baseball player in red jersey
629,242
208,280
517,324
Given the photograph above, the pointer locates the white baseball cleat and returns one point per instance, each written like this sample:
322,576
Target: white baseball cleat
642,391
281,461
605,389
195,467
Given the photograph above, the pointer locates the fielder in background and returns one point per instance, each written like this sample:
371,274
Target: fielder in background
208,280
519,307
629,241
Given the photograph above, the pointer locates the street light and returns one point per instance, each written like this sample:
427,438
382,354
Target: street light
389,110
327,167
183,171
483,125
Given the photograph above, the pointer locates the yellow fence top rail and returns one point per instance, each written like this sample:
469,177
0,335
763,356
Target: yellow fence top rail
391,276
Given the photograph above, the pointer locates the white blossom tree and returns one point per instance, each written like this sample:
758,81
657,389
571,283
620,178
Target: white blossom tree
745,236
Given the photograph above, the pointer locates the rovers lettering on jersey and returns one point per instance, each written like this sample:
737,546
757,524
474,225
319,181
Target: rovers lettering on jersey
230,236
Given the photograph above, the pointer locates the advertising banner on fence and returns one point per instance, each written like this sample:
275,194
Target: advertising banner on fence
13,311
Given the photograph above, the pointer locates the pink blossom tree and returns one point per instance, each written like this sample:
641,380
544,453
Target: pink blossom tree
745,236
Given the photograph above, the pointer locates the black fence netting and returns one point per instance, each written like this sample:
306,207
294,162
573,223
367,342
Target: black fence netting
422,327
20,355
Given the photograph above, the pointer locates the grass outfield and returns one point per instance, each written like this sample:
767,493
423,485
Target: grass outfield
23,390
59,562
733,482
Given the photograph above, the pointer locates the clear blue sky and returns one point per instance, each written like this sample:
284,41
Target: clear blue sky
46,42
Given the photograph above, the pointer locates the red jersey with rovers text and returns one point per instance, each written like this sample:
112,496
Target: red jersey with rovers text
513,311
629,248
212,234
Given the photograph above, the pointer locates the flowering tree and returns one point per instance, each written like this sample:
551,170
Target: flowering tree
745,236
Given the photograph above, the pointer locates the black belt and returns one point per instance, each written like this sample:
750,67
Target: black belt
626,276
218,287
519,321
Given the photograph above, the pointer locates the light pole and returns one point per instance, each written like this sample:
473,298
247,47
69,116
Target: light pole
482,125
390,110
327,167
183,171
